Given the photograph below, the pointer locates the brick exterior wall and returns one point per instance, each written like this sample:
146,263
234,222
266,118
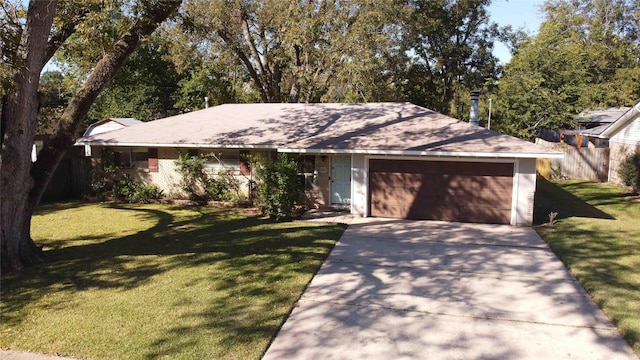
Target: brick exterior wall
618,153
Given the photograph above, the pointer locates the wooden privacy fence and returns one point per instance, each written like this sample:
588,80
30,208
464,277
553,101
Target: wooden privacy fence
579,164
71,180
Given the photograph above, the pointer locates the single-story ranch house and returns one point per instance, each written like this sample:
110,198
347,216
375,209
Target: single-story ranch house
394,160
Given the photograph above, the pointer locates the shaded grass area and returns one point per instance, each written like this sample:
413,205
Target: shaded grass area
156,281
598,238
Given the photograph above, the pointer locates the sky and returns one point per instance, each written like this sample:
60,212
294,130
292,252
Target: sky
523,14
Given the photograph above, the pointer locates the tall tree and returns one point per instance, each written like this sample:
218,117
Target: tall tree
296,50
47,26
451,44
585,56
146,88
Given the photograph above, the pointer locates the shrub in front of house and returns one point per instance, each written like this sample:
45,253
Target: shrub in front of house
199,185
630,171
109,182
279,189
195,179
145,193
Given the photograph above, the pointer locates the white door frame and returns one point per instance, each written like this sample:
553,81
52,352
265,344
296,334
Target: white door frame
340,185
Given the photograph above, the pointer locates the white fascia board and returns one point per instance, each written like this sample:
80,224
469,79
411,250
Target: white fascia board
174,145
556,155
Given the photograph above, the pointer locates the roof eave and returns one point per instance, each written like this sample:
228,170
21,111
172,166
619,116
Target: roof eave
476,154
81,141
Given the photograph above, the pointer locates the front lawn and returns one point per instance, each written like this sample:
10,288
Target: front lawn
158,281
598,238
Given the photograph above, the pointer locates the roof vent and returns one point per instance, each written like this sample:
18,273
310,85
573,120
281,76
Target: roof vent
473,115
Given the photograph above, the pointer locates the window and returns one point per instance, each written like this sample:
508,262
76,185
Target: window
306,169
130,158
122,158
223,159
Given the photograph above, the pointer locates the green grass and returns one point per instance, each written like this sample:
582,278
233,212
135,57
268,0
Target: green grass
598,238
156,281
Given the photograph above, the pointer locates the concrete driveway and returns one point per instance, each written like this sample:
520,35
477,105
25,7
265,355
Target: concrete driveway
396,289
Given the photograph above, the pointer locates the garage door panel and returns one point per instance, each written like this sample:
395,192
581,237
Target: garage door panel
478,169
405,166
399,180
450,191
386,209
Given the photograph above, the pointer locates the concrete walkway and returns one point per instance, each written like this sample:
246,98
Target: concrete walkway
395,289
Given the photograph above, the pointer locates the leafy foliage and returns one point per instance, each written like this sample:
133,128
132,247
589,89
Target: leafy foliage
303,51
279,188
585,56
145,88
219,83
630,171
198,184
451,42
109,182
41,32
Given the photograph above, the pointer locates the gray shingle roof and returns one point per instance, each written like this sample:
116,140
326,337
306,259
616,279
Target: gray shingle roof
602,116
364,128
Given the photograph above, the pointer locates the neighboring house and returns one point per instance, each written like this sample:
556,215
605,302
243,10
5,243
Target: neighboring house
624,139
591,124
394,160
596,148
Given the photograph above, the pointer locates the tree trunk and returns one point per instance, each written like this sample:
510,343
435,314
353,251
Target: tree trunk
20,112
22,184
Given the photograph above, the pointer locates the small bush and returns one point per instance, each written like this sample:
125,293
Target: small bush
103,180
109,182
278,189
630,171
195,180
145,193
198,184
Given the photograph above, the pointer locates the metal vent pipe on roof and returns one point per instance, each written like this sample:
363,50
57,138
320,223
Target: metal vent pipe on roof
473,115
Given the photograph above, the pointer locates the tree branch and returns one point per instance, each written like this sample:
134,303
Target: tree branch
106,68
247,62
252,46
59,37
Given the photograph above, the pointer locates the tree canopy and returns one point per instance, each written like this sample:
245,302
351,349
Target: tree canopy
585,56
305,51
449,44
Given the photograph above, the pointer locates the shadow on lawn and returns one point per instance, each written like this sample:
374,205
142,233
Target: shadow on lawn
253,248
551,198
600,254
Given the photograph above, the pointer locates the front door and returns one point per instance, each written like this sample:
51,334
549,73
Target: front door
341,180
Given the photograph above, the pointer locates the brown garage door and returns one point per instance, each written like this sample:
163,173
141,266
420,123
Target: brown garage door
441,190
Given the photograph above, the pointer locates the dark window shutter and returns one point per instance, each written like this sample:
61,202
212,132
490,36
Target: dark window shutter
153,160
